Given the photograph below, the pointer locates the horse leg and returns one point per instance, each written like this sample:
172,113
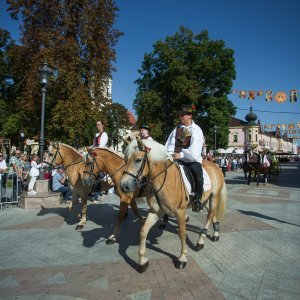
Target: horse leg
216,227
152,218
182,260
249,178
122,212
135,210
164,223
257,178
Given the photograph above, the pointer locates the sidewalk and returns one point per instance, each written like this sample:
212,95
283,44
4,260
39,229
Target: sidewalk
257,257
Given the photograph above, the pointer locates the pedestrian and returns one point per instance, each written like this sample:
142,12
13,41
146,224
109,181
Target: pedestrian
145,133
34,174
3,170
15,163
185,145
59,180
26,170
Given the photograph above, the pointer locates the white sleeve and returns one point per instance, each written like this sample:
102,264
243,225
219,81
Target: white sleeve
170,144
103,139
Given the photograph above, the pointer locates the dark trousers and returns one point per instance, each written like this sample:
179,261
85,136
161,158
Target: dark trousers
197,172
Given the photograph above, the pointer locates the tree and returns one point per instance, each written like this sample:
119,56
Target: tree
117,122
186,70
78,38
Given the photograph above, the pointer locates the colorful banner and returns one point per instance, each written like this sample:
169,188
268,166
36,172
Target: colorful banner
280,97
293,95
242,94
269,96
251,95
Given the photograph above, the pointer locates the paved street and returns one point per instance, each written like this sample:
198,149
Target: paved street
257,256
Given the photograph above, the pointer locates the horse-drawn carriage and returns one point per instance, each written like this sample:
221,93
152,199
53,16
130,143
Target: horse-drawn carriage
257,164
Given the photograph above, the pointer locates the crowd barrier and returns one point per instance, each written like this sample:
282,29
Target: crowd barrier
11,189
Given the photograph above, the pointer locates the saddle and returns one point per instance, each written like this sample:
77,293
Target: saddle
189,180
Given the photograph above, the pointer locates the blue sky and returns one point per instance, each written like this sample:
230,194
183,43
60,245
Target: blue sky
264,35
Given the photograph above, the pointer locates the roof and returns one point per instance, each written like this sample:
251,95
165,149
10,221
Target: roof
132,120
234,122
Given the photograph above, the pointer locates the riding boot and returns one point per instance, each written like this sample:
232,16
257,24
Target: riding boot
197,205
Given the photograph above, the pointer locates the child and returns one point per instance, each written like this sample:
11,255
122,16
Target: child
34,174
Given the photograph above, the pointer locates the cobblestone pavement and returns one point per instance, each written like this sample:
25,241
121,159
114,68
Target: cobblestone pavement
42,256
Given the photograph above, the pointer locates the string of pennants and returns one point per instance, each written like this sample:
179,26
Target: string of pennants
279,97
293,128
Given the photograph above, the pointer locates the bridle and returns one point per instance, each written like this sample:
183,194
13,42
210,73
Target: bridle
141,181
52,164
92,174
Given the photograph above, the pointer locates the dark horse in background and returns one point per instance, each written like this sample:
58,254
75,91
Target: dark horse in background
256,165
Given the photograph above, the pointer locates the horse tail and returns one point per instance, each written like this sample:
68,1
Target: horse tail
222,202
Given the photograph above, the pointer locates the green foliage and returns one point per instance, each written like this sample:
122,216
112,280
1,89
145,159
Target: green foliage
78,39
186,69
117,122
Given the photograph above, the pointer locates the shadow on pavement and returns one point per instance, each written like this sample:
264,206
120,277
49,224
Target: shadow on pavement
258,215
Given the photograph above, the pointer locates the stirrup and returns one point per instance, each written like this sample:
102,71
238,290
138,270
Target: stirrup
197,205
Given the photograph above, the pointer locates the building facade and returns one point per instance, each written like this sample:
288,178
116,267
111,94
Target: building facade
250,133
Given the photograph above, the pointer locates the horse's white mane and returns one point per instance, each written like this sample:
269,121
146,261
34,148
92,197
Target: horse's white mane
157,152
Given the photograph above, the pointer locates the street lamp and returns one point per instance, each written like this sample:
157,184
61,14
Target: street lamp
215,130
45,72
22,140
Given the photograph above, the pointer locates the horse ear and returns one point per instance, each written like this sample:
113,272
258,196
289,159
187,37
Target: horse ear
89,150
140,144
55,145
127,139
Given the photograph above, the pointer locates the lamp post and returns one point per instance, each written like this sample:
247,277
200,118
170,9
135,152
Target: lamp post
215,130
45,72
22,140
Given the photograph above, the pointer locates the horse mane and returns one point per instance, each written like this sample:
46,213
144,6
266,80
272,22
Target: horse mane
66,145
121,155
157,152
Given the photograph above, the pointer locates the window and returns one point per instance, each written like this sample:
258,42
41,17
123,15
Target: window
235,138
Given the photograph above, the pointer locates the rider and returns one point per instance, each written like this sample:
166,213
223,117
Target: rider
145,133
185,144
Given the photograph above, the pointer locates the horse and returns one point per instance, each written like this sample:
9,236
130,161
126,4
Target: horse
147,163
72,162
254,166
112,163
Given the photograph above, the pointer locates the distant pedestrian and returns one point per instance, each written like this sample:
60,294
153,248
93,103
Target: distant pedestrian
34,174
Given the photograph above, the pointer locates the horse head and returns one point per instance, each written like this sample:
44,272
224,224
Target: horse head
140,156
52,158
91,167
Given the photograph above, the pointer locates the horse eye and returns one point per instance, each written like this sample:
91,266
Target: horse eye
138,160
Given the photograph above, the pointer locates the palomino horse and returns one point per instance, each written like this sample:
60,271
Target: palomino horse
147,163
112,163
72,162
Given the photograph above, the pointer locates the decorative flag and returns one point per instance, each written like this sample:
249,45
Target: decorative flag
234,91
293,95
251,95
259,93
291,126
280,97
269,96
298,124
242,94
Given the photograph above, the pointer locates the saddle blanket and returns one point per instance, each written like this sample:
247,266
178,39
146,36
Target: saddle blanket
206,181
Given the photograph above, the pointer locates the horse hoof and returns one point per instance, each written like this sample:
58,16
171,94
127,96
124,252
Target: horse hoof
144,267
180,264
79,227
162,226
110,242
199,247
215,238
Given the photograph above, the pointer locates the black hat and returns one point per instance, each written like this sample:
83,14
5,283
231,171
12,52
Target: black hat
145,127
186,110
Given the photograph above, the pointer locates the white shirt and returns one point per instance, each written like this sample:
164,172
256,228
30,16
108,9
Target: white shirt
34,171
194,151
103,139
3,164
